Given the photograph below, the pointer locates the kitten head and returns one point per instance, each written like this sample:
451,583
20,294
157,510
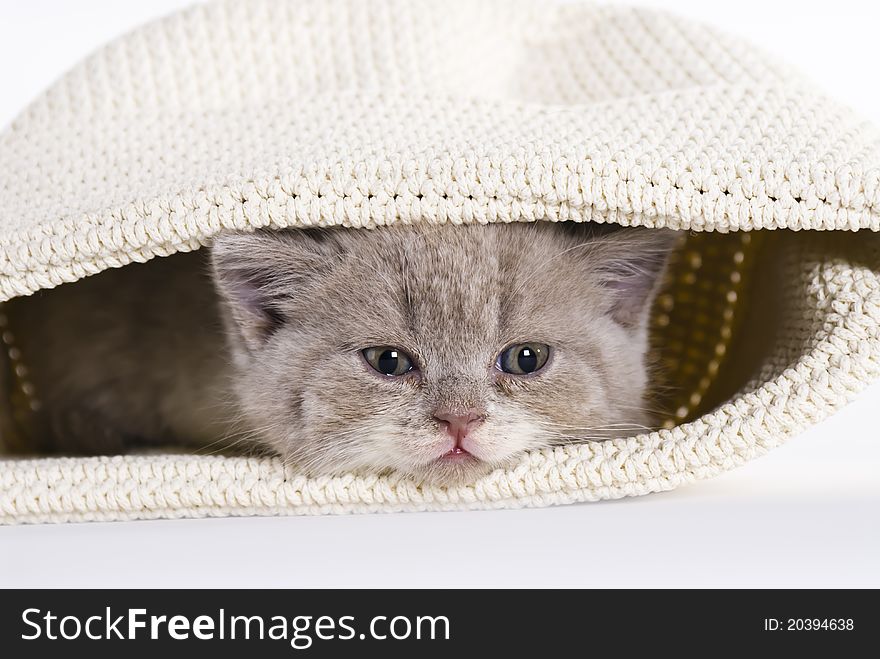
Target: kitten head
438,351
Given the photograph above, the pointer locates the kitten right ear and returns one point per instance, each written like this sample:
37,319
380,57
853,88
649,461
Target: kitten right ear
631,263
256,273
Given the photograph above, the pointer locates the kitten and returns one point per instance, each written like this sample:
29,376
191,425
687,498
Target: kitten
438,351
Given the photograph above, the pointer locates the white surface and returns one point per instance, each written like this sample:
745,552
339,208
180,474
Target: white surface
793,518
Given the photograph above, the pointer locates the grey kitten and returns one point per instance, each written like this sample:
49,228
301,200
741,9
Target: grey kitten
438,351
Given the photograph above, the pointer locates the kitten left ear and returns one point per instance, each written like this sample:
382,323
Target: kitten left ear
631,267
244,272
257,273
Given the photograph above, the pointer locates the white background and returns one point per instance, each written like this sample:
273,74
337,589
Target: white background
805,515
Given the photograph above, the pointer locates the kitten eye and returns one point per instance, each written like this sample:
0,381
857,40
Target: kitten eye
388,361
523,358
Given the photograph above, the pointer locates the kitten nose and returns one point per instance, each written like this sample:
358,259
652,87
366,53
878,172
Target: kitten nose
459,424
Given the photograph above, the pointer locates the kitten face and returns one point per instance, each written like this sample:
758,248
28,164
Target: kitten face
388,349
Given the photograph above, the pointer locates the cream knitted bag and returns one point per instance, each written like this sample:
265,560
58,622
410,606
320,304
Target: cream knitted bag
276,113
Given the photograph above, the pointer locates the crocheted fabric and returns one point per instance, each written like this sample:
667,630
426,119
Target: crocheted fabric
277,113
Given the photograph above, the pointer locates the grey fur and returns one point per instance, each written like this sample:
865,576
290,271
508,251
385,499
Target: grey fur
150,354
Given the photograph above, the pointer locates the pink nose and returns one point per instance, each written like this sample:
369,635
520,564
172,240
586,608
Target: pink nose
459,424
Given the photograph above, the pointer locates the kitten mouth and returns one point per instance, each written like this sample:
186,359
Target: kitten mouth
457,455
